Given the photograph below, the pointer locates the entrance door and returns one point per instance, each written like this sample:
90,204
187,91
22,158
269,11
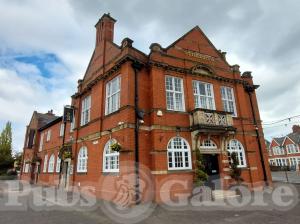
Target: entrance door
212,169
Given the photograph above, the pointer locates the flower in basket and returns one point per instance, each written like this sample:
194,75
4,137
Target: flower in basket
116,147
67,154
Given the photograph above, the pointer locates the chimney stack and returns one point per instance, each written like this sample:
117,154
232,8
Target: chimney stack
105,29
296,129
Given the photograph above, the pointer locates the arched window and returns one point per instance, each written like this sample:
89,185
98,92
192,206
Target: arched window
58,162
237,147
82,160
179,154
110,158
208,144
51,164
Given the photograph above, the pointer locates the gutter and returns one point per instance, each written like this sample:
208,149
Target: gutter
136,67
250,89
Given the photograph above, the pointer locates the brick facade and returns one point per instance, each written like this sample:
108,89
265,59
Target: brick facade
191,58
284,152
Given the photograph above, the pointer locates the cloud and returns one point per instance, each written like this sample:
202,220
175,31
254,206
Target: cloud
24,89
56,40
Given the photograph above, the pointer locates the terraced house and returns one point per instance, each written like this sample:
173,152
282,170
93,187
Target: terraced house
285,151
156,109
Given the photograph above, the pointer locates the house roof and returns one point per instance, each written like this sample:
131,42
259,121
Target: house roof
279,140
50,123
295,137
45,118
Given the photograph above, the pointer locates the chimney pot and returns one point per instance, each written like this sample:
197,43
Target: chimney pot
296,129
105,29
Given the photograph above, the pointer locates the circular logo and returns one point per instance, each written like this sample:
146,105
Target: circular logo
131,194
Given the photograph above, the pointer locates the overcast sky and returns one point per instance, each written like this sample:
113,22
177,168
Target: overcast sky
45,47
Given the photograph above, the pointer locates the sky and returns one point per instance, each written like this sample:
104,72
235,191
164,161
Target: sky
45,47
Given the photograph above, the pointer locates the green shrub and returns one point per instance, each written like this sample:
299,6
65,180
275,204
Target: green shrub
200,174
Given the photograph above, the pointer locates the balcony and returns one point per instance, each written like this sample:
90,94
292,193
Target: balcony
211,121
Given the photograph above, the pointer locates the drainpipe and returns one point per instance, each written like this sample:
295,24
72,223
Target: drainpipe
61,161
250,89
136,67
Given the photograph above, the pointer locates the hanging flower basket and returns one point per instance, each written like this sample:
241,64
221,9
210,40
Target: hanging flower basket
36,159
65,152
116,147
67,155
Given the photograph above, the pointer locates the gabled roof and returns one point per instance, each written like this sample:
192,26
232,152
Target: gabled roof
279,140
52,122
295,137
45,118
41,118
198,29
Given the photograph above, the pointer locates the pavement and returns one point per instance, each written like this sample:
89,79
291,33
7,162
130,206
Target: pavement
288,176
38,208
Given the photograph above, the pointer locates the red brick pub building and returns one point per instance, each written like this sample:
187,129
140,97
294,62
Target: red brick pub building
159,108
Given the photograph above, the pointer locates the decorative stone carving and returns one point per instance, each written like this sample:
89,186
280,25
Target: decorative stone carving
155,47
126,42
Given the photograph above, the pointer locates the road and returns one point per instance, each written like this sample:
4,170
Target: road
54,212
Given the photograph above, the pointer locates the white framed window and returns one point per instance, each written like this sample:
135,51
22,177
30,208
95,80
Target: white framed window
291,148
228,100
58,162
72,125
208,144
41,142
61,130
82,160
85,110
45,164
237,147
293,161
48,135
179,154
277,150
51,164
174,93
204,95
113,89
270,152
110,158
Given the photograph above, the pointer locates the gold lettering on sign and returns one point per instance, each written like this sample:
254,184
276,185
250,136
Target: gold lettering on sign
198,55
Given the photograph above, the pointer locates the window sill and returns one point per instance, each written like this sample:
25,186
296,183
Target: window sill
187,170
110,173
81,172
85,125
112,113
176,111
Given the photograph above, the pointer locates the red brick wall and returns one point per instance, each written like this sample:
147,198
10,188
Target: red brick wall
153,139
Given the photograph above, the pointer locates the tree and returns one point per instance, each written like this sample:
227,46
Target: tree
200,174
6,159
235,171
18,159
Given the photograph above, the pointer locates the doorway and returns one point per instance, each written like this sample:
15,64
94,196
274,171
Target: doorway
211,164
65,174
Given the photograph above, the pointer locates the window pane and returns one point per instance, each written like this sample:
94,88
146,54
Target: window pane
113,95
